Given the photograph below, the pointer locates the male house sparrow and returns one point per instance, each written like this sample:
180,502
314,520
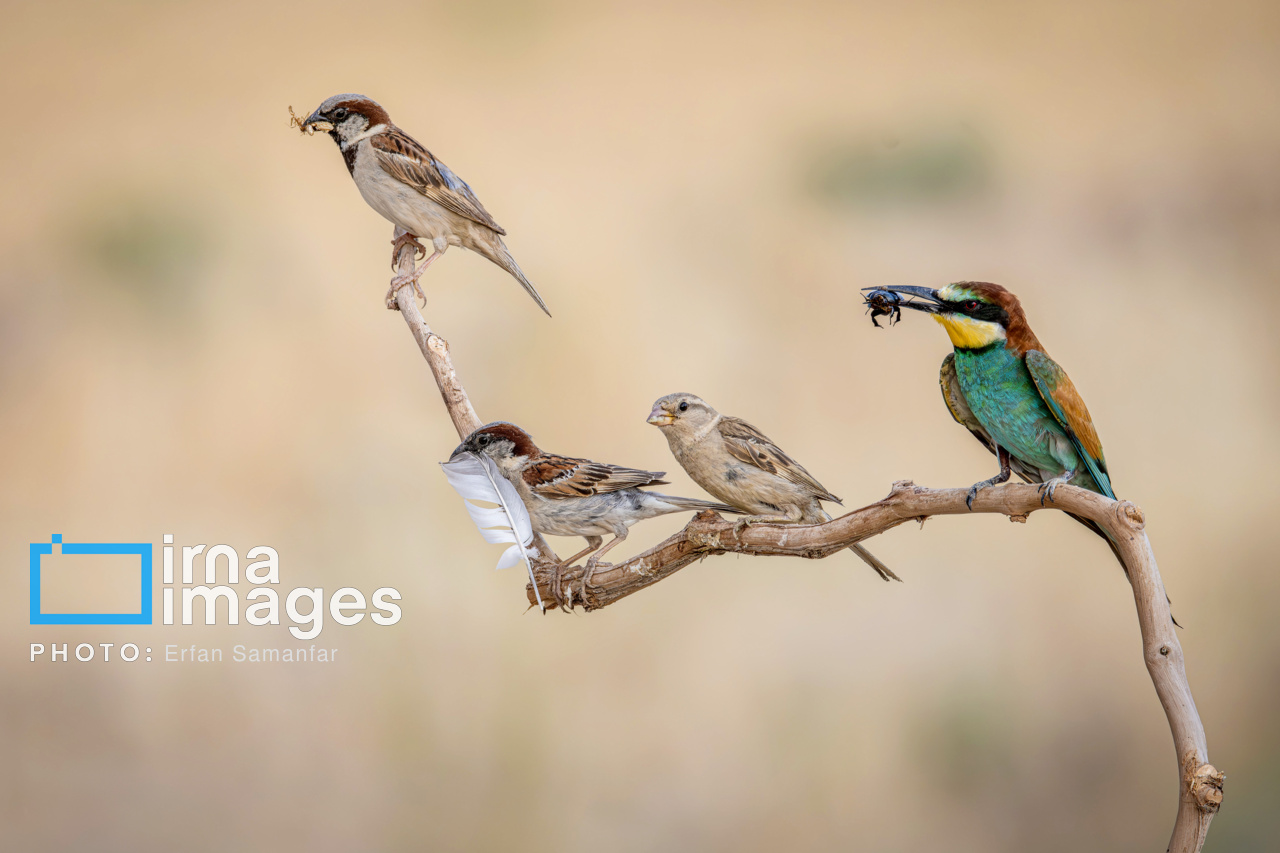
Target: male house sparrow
401,179
576,497
738,464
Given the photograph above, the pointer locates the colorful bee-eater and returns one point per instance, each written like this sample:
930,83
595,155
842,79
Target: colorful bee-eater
1002,386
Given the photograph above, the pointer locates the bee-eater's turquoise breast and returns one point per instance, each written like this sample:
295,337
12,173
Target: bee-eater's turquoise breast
1004,399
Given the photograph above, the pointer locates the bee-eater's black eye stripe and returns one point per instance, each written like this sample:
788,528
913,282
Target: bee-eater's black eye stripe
985,311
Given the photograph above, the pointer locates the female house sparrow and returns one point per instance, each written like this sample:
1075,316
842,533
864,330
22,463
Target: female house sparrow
576,497
401,179
738,464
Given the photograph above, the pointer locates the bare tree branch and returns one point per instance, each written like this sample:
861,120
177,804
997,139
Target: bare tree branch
1200,783
435,350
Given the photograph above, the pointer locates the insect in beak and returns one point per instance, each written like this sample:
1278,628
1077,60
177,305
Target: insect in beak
883,303
309,125
889,302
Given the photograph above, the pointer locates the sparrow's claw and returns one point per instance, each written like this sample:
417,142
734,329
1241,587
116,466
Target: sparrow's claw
407,280
406,239
557,589
592,565
410,279
742,524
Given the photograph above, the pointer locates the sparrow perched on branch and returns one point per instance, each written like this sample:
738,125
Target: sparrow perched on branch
738,464
405,183
576,497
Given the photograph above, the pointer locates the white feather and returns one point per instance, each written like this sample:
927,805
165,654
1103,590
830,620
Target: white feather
495,507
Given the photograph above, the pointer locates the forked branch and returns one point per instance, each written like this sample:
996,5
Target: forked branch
1200,783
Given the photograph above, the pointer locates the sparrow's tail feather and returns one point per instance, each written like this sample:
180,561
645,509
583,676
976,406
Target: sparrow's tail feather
886,574
500,256
692,503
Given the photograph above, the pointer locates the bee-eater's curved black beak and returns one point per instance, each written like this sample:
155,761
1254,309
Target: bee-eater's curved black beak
930,303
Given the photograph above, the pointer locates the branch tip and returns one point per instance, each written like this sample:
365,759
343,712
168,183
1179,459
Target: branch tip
1132,515
1204,784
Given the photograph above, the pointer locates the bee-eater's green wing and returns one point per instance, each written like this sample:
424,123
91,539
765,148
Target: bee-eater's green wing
1067,406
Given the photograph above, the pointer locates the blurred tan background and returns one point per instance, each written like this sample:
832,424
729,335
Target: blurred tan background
192,341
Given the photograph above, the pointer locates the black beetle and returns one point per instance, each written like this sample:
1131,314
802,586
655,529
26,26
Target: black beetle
884,303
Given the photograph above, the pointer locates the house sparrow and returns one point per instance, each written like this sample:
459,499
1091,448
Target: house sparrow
738,464
401,179
576,497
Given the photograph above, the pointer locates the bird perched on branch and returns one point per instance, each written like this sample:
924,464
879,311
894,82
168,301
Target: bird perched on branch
576,497
738,464
1001,385
404,182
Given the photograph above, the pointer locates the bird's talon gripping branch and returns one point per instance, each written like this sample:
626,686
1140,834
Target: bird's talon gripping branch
555,585
400,282
410,279
406,239
1003,477
1049,487
977,487
592,565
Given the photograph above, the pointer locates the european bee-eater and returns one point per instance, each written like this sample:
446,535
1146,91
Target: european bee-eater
1002,386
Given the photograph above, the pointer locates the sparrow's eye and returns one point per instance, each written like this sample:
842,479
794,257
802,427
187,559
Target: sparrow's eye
971,305
340,113
484,439
684,406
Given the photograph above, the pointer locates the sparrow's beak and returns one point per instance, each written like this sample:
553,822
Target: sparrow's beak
316,122
661,417
929,302
458,451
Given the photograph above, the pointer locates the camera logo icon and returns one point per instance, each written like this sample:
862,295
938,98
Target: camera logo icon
80,583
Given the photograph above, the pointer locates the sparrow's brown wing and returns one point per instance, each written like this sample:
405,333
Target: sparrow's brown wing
748,444
401,157
562,477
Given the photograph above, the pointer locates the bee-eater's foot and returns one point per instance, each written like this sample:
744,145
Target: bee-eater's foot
1048,487
406,239
977,487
